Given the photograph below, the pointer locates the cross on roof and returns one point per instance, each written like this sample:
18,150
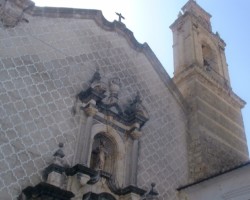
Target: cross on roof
120,17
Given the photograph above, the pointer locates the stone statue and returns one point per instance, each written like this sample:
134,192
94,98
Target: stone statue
101,153
97,84
136,107
114,88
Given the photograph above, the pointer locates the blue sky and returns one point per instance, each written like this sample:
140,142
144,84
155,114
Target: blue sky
150,21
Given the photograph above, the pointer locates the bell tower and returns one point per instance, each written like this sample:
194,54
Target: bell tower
216,137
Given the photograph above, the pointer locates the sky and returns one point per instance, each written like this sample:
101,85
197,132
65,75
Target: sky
149,20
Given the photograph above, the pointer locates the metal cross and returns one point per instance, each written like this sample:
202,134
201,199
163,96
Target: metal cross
120,17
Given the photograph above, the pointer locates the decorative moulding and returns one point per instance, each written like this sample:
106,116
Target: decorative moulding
104,99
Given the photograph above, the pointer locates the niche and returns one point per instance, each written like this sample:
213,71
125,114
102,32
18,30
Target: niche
103,154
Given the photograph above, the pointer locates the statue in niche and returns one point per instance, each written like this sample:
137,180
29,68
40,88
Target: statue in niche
100,156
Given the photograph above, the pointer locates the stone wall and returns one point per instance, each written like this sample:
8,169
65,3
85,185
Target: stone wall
45,63
217,137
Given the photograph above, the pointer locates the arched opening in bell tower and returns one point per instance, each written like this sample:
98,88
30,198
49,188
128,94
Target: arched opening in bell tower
209,58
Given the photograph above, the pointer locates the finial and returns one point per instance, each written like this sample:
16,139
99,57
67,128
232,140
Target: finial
120,17
60,145
96,76
137,97
153,192
217,34
59,152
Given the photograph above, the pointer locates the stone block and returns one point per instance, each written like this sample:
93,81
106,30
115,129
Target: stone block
13,161
8,178
8,63
29,167
7,149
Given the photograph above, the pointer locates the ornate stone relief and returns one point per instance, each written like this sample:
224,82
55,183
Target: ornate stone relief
107,146
12,11
104,162
102,157
105,98
79,182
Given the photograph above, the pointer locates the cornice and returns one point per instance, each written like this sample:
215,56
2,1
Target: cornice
221,89
182,18
81,169
44,190
197,5
216,175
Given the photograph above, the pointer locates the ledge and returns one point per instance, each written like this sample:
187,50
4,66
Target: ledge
46,191
213,176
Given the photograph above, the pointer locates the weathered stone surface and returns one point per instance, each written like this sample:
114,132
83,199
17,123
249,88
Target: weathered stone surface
42,75
216,138
43,66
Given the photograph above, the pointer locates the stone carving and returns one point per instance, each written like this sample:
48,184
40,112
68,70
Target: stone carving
11,12
55,191
90,110
114,88
151,194
105,98
59,155
136,134
101,154
94,179
97,84
136,107
55,172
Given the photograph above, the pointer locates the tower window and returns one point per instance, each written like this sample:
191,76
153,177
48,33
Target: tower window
209,58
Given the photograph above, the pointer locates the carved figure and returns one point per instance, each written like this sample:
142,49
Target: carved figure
97,84
136,107
114,88
59,156
101,154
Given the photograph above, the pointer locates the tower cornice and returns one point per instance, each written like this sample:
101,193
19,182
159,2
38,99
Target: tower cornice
218,84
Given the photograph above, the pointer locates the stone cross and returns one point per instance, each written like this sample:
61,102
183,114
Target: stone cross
120,17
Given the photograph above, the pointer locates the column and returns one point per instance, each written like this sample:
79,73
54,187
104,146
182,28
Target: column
136,134
83,144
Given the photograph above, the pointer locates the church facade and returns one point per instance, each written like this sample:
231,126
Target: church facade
87,112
